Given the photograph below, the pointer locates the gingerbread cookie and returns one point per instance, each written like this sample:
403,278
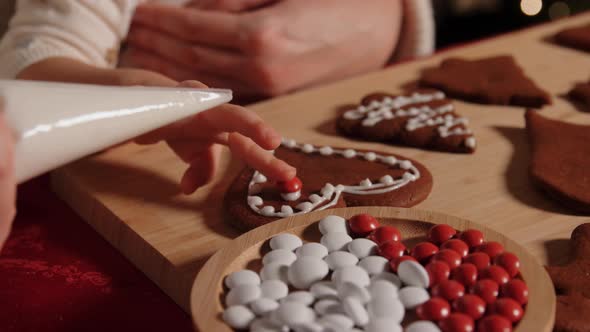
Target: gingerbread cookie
497,80
578,37
572,284
328,178
581,94
424,119
560,160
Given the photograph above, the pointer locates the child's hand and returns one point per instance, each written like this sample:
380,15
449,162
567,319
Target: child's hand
197,141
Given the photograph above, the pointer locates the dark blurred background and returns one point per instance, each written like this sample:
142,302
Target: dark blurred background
460,21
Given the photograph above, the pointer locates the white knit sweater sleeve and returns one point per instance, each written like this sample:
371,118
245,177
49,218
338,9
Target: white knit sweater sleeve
417,37
87,30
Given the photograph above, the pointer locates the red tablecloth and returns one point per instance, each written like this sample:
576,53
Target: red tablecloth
58,274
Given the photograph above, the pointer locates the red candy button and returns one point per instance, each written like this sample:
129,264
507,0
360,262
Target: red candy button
492,248
438,271
509,262
487,289
472,237
449,290
481,260
457,322
423,251
507,308
494,323
392,249
385,233
471,305
448,256
394,263
440,233
496,273
290,186
363,224
458,245
466,274
434,309
516,289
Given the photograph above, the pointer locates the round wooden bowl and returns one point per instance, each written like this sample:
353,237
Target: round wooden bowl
246,252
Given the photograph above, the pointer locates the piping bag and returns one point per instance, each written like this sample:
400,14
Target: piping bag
56,123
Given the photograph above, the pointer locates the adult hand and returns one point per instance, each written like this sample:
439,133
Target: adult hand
275,49
198,139
7,179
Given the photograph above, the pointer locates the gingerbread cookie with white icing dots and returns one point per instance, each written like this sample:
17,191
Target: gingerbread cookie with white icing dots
423,119
327,177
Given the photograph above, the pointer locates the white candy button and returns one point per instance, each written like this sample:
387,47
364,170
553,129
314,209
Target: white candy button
413,274
263,306
307,270
275,270
312,249
328,306
412,296
243,277
374,264
339,259
388,276
335,241
339,321
355,310
238,316
282,256
304,297
333,224
323,290
309,327
293,314
243,294
285,241
349,289
354,274
266,325
383,288
274,289
386,307
383,325
362,248
422,326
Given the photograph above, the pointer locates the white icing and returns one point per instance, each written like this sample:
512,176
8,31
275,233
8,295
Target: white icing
291,196
329,194
423,116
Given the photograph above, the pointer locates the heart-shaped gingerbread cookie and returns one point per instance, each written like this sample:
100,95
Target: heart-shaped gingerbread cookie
423,118
331,178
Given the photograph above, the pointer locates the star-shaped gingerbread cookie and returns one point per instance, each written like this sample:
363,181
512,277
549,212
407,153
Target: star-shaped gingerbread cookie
496,80
576,37
571,313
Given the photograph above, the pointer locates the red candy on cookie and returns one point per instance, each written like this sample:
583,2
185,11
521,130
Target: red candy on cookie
440,233
438,271
494,323
471,305
449,290
423,251
487,289
458,245
481,260
362,224
434,309
496,273
509,262
385,233
457,322
492,248
448,256
291,186
392,249
466,274
516,289
472,237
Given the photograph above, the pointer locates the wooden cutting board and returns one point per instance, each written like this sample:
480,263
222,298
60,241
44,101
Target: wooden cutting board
129,194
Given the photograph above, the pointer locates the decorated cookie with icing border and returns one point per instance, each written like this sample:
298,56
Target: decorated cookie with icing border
423,118
331,178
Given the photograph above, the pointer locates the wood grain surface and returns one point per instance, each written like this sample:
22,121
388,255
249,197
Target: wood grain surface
129,194
246,252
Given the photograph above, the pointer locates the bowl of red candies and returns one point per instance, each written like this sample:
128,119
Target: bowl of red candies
450,275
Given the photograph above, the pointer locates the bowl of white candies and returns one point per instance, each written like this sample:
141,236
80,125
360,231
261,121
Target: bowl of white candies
374,269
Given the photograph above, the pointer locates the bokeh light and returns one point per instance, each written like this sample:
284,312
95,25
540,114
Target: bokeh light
559,9
531,7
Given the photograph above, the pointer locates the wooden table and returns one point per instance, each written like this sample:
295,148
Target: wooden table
129,194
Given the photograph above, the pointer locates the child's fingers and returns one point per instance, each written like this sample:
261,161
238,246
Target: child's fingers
201,170
259,159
